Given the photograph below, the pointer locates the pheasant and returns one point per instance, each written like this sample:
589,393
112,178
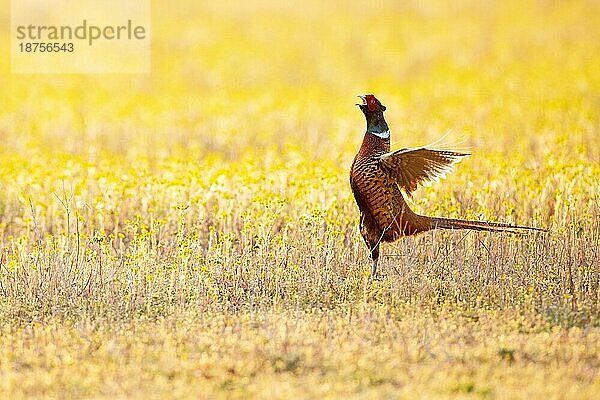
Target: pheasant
377,175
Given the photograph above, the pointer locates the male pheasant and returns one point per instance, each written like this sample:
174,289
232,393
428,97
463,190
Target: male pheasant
377,175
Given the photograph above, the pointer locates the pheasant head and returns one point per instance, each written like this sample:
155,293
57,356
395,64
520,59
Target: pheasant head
373,110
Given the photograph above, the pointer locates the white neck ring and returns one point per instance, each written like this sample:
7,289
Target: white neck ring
382,135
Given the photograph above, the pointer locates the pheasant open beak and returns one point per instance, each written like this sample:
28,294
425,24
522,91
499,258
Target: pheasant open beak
364,101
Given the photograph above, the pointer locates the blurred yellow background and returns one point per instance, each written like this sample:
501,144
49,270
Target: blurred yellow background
516,81
229,75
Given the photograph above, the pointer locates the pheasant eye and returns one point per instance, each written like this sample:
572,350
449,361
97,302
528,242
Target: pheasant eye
372,104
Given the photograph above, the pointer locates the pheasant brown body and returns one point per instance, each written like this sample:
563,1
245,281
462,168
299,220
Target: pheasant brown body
378,175
385,215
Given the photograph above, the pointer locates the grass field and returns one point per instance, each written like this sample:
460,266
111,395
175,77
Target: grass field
191,233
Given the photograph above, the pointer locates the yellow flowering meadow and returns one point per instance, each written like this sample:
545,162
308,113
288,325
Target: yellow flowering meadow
190,233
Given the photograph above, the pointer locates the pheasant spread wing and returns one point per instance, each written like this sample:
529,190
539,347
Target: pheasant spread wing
411,167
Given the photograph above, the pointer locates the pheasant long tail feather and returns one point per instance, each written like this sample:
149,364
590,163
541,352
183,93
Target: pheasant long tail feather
451,223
